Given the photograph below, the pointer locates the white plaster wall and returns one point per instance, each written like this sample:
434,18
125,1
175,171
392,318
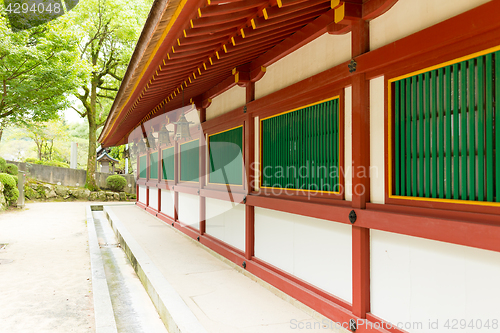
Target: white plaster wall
153,197
409,16
417,280
227,101
315,57
348,143
189,210
142,194
167,202
225,220
317,251
377,187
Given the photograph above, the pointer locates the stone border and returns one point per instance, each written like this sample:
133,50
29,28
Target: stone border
103,308
173,311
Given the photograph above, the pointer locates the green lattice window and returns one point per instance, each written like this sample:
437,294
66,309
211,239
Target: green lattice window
190,161
143,167
153,165
300,149
226,161
168,163
445,138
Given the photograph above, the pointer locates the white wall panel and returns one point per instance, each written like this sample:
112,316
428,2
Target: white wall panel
317,251
409,16
226,221
189,209
153,197
348,143
167,202
227,101
142,194
416,280
315,57
377,135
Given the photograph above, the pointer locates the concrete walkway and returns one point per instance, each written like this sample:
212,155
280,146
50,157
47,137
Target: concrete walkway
46,287
222,299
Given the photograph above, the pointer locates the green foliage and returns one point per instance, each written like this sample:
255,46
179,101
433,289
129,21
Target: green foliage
10,190
116,183
49,163
108,34
3,164
39,67
11,169
16,179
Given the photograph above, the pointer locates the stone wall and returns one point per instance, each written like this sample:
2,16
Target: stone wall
68,177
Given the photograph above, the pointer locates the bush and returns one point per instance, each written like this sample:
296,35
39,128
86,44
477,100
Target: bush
49,163
10,190
16,179
11,169
116,183
3,164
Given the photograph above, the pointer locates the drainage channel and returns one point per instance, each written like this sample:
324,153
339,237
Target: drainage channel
134,312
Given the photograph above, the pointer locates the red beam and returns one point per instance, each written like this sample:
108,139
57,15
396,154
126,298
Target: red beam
229,8
375,8
311,12
218,28
216,20
277,11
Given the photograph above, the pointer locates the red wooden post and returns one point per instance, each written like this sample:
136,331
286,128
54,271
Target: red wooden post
360,174
203,118
158,178
176,176
249,156
147,176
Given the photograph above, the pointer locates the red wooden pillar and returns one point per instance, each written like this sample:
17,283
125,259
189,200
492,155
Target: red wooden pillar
148,162
158,179
360,174
249,156
176,176
203,118
137,178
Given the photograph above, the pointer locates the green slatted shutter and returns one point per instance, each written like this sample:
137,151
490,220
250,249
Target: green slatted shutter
226,161
190,161
447,131
168,163
153,165
143,168
300,149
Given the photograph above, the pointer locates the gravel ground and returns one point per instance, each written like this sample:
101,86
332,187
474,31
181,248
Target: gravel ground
47,286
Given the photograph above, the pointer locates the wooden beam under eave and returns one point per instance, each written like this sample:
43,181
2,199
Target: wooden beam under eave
338,29
216,20
276,11
348,12
310,12
230,8
374,8
193,32
250,32
206,37
187,50
286,3
310,32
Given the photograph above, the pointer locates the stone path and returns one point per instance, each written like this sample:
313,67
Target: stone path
47,286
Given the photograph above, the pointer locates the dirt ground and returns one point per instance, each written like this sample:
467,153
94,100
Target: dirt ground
45,277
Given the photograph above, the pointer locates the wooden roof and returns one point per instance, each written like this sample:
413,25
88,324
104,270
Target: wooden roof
193,50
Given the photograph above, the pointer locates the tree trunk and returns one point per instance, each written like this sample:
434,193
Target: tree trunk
90,182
